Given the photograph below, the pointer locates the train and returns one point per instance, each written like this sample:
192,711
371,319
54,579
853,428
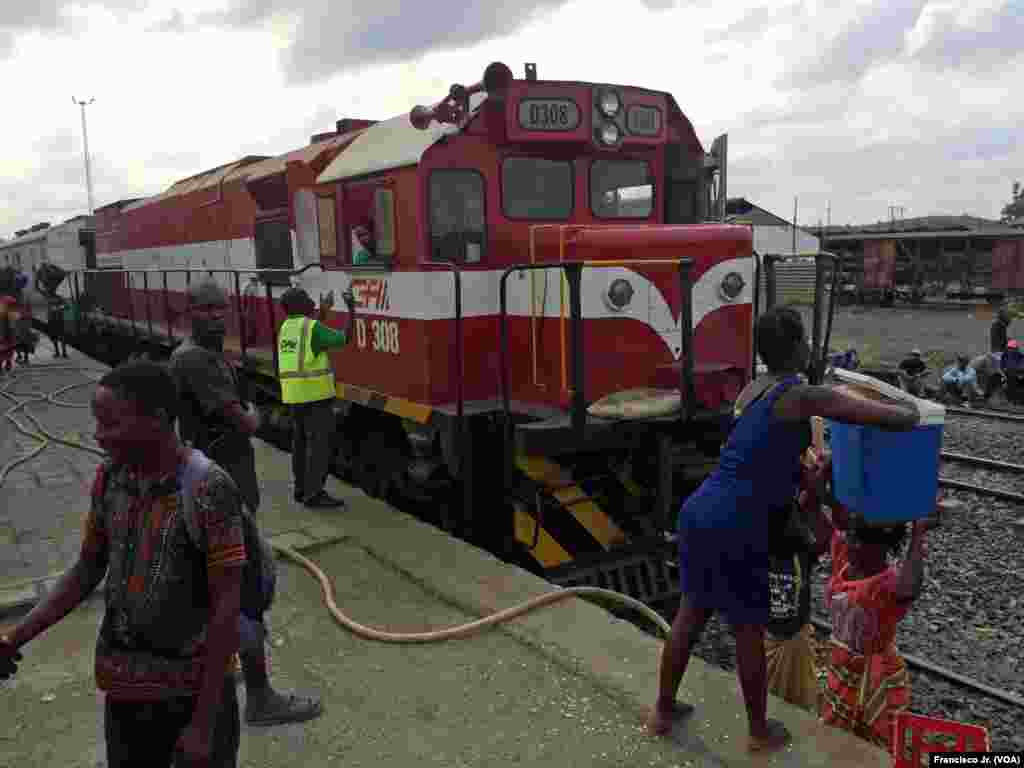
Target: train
552,323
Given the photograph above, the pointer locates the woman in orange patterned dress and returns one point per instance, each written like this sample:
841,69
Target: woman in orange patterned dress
867,678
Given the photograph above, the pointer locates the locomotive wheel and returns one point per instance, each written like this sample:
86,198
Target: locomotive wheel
380,464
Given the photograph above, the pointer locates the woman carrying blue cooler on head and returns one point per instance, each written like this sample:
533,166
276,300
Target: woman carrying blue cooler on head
727,526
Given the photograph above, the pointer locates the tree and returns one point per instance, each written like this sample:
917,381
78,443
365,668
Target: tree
1015,208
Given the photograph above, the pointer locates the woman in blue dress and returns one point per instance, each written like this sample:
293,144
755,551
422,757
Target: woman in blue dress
726,526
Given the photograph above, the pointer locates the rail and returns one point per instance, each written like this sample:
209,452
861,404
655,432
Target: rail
989,414
573,270
919,662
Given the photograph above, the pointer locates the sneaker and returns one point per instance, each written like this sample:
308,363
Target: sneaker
324,500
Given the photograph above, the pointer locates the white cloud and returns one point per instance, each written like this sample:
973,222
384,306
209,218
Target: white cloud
862,104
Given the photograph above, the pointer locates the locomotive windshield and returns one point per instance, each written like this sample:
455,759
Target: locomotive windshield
536,188
621,189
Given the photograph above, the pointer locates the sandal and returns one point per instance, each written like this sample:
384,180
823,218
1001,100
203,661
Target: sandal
777,737
287,708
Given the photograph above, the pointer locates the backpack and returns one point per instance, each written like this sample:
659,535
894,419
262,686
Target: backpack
259,577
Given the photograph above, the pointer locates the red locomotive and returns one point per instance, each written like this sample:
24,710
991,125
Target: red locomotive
518,251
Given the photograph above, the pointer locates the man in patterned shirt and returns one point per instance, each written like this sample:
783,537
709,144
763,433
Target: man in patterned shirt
172,549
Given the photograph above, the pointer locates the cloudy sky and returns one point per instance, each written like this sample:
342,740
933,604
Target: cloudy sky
858,104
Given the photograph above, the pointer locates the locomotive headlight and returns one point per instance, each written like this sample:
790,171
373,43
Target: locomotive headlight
610,134
609,103
619,295
732,285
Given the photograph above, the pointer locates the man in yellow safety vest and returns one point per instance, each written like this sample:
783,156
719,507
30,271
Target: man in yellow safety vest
307,385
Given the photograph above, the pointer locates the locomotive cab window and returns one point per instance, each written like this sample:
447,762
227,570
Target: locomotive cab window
621,189
535,188
327,229
369,218
273,243
458,222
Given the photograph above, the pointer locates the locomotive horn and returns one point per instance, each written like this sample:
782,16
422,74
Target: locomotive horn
497,78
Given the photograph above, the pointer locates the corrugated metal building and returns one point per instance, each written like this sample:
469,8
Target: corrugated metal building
772,234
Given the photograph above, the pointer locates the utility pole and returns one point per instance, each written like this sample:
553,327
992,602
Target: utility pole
794,224
85,142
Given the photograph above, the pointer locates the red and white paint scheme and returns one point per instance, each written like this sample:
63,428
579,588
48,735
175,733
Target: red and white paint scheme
505,172
499,182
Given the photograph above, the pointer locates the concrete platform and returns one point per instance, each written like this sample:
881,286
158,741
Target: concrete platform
566,686
43,499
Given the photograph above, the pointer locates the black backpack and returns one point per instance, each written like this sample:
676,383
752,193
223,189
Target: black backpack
259,579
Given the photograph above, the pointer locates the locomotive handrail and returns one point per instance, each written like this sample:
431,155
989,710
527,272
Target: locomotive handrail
188,272
756,312
573,271
819,345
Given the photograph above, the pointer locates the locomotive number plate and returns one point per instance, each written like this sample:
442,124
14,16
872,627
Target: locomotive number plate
381,335
549,115
643,121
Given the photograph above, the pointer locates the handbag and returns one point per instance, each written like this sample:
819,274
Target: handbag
784,593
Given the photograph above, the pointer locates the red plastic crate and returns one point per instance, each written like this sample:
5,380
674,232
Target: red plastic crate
916,736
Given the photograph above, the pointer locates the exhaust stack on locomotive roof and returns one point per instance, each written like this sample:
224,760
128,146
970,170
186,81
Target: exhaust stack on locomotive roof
455,106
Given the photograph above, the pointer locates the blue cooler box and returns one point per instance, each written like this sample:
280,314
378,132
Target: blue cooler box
887,477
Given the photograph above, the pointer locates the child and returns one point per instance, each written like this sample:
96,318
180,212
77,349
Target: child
792,675
867,678
24,337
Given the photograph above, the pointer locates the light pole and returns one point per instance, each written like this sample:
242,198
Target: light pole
85,141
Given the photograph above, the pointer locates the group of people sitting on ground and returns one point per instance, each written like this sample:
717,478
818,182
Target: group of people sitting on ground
973,380
748,541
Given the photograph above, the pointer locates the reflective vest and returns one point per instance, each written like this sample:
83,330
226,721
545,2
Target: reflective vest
305,377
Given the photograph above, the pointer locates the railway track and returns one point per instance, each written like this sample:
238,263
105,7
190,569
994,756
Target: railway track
995,415
983,464
964,681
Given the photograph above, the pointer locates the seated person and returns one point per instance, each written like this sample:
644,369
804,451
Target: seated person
990,376
961,381
847,360
1013,372
1013,358
363,250
913,369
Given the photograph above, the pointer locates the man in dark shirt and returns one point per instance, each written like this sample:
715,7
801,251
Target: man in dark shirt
913,370
215,420
999,331
162,656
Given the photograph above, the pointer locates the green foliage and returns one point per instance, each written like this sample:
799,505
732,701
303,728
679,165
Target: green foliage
1015,208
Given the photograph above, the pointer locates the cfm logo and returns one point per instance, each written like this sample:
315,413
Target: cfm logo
288,345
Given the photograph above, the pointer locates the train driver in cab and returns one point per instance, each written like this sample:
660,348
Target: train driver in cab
363,249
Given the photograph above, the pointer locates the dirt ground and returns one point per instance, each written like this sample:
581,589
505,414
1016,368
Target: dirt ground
882,336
